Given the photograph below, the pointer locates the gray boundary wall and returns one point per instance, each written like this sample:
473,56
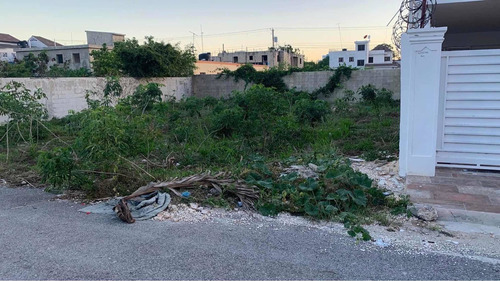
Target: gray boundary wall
65,94
209,85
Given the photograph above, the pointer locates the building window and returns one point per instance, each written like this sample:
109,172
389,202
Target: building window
370,60
235,59
250,58
361,62
300,61
351,59
59,58
361,47
341,60
264,58
76,58
387,58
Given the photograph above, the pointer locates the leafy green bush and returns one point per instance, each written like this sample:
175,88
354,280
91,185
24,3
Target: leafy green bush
57,167
370,94
308,110
151,59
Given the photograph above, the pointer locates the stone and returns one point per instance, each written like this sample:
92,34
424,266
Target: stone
214,191
193,206
426,212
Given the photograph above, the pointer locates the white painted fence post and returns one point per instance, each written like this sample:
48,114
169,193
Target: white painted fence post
420,80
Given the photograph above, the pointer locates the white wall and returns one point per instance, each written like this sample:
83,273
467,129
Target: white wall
379,56
35,43
7,54
334,58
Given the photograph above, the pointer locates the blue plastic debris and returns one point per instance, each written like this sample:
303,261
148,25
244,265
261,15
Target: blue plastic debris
186,194
240,204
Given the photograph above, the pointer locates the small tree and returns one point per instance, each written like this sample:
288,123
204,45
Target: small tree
105,63
22,109
152,59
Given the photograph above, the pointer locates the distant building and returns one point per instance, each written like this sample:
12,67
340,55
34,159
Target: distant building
270,58
215,67
362,56
98,38
75,56
7,45
41,42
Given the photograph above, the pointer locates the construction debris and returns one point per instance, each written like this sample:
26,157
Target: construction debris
140,207
425,212
148,199
305,172
382,172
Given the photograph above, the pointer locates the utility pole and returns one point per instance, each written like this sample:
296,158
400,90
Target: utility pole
272,31
194,34
340,36
274,50
201,29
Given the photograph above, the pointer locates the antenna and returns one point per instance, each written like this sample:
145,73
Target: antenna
340,35
272,31
201,29
194,34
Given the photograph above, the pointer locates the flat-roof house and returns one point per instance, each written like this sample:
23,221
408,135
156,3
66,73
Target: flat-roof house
361,56
74,56
271,58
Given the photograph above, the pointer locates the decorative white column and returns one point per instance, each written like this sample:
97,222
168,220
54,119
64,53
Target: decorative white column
420,80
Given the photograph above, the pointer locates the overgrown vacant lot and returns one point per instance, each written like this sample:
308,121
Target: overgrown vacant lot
253,136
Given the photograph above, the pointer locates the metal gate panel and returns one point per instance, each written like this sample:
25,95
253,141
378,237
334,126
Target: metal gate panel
469,116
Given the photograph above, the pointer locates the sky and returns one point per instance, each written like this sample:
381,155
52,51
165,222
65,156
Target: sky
313,26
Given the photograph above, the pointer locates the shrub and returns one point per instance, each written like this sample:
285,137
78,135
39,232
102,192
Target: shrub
368,93
57,167
308,110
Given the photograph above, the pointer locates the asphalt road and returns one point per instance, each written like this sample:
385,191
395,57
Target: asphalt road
43,239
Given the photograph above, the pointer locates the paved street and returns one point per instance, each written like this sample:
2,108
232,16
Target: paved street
43,239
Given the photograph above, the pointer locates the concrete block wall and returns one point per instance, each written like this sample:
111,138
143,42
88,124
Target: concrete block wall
210,86
65,94
380,78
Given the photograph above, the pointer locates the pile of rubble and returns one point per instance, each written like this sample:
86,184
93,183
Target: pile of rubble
193,213
384,173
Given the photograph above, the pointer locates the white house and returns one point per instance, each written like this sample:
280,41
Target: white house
450,89
7,45
361,57
41,42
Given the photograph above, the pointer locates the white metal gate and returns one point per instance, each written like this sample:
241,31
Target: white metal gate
469,123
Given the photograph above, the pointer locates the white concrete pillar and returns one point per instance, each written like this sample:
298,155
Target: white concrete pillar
420,80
